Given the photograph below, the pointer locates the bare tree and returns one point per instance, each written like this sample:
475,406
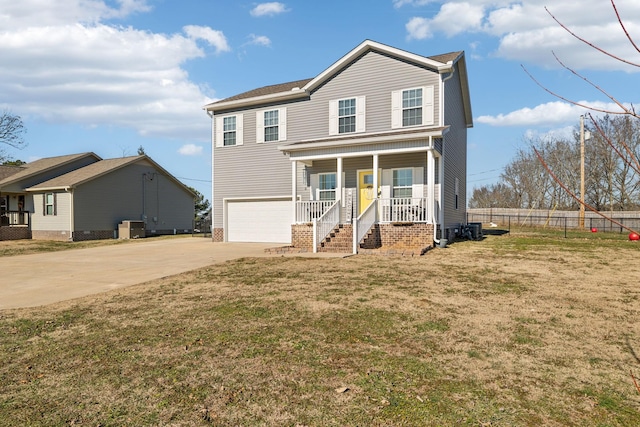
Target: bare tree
626,154
11,130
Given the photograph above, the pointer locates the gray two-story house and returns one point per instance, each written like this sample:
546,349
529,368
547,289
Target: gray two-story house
369,154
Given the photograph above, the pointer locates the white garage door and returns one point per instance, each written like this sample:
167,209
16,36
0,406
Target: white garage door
259,221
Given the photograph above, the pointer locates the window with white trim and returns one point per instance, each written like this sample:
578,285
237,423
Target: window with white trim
412,107
326,186
229,131
347,115
271,125
402,183
49,203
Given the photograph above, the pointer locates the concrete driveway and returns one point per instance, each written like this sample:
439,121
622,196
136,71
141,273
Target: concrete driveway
39,279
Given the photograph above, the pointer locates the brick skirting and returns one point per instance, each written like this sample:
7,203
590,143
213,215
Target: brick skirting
218,234
60,235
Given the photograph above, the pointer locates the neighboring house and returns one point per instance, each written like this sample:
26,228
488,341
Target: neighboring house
82,197
369,154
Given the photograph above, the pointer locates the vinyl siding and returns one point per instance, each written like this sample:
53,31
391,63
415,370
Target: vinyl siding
261,170
455,154
57,222
101,204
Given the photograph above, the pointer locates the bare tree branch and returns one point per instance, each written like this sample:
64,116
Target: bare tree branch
599,49
632,157
615,9
11,130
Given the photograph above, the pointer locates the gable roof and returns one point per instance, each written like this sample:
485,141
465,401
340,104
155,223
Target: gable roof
302,88
95,170
7,171
43,165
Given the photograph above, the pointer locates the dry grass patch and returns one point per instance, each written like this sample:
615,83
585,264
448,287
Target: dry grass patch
508,331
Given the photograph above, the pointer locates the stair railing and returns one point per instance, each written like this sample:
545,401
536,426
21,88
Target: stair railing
363,223
322,226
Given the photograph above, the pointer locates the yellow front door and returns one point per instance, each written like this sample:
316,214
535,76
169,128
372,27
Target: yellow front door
365,190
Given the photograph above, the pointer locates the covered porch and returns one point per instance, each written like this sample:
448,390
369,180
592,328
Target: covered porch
357,197
15,219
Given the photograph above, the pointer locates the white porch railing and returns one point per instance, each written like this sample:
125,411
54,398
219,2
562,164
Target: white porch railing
363,223
15,218
322,226
310,210
406,209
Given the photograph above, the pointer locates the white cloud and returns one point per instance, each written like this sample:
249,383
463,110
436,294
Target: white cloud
527,33
191,150
548,114
93,74
259,40
214,37
269,9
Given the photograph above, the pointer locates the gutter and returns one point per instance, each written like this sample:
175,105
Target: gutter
213,187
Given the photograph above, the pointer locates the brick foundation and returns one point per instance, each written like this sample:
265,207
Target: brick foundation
302,236
218,234
15,233
399,237
60,235
82,235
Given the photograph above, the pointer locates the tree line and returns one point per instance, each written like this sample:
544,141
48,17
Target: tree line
611,184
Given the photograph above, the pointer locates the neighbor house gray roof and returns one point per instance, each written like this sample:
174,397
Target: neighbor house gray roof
7,171
95,170
42,165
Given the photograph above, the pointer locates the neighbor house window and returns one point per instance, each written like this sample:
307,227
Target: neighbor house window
327,186
229,131
402,183
347,115
412,107
50,204
271,125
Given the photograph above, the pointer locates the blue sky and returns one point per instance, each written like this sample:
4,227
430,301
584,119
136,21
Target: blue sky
109,76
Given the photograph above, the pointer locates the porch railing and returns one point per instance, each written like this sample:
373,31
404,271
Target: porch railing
404,209
363,223
310,210
15,219
323,225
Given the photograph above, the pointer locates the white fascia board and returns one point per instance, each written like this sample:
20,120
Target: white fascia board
306,159
247,102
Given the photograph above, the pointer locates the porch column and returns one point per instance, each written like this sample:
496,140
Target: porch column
294,190
376,184
339,182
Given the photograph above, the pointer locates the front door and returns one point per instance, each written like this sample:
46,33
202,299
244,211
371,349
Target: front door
366,194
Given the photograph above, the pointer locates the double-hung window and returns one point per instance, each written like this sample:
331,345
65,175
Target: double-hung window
327,186
49,203
402,183
229,131
412,107
271,125
347,115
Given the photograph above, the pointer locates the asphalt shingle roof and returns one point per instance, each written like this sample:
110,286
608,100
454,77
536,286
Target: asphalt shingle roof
42,165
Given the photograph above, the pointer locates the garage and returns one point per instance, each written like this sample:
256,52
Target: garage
263,220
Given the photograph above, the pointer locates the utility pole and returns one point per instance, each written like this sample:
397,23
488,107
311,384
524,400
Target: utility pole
581,215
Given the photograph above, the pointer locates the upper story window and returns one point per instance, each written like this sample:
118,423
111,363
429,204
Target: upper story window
347,115
228,130
271,125
412,107
402,183
327,186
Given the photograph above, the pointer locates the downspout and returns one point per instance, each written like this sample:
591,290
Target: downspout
71,219
442,157
213,147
